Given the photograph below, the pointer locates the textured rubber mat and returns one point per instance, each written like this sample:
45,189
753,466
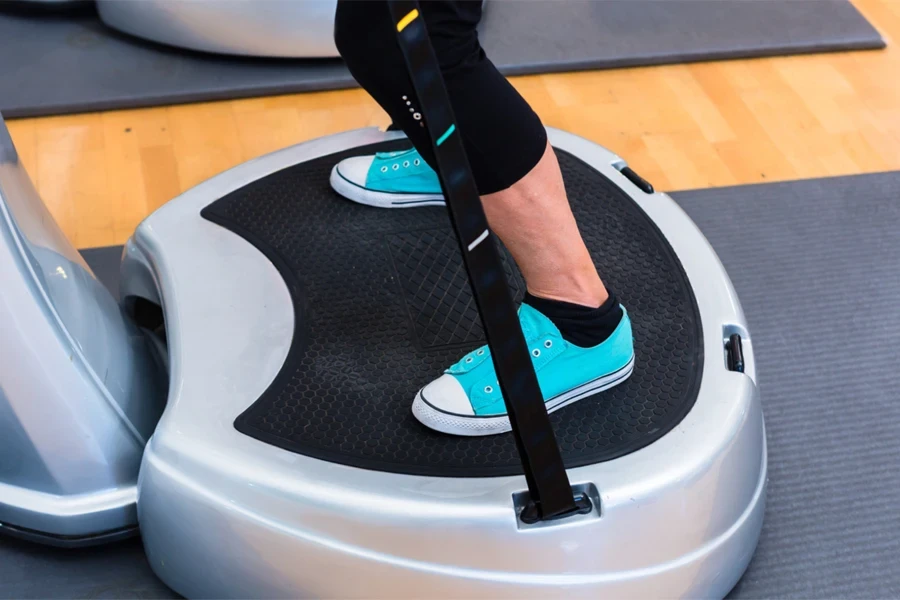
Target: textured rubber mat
61,63
104,262
118,571
383,306
816,265
437,295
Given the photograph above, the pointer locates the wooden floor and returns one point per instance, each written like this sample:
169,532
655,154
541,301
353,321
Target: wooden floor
681,126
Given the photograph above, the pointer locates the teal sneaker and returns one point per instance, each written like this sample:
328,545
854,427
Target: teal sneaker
466,399
388,180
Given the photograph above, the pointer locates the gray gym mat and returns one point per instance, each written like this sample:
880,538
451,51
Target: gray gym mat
104,262
112,572
817,266
53,63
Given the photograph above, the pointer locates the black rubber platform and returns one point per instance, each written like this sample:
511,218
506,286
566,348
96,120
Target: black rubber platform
382,306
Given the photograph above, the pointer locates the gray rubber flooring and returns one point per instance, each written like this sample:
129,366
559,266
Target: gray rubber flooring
52,62
817,266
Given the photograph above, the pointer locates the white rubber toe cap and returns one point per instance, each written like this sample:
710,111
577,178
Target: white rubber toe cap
446,394
355,169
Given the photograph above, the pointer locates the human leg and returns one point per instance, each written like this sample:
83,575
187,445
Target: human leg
518,177
515,169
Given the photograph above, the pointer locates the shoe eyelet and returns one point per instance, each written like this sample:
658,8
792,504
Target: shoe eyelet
384,169
488,389
536,352
405,163
416,162
480,352
468,360
396,166
548,344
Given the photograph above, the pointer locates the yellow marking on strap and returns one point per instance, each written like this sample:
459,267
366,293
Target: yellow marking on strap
407,19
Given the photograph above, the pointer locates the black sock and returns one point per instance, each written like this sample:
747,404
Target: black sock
583,326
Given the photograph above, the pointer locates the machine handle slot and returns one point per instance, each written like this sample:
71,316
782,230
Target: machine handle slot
735,353
587,506
637,180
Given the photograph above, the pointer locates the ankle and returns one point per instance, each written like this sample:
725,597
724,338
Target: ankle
584,326
581,291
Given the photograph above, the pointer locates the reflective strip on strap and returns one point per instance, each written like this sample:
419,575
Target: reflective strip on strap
401,25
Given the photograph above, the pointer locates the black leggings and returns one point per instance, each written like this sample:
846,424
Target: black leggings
503,137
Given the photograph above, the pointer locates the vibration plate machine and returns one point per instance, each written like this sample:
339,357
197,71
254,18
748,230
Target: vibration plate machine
298,328
279,334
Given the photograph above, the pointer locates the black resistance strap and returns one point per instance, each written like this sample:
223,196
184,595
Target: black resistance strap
548,483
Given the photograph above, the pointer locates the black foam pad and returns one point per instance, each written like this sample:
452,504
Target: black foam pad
382,305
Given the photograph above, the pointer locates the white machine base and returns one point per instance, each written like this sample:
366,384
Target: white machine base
224,515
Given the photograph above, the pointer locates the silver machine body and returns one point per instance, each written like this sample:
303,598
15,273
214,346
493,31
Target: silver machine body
224,515
276,28
80,389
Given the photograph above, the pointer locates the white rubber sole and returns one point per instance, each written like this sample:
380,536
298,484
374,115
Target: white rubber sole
453,424
354,192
